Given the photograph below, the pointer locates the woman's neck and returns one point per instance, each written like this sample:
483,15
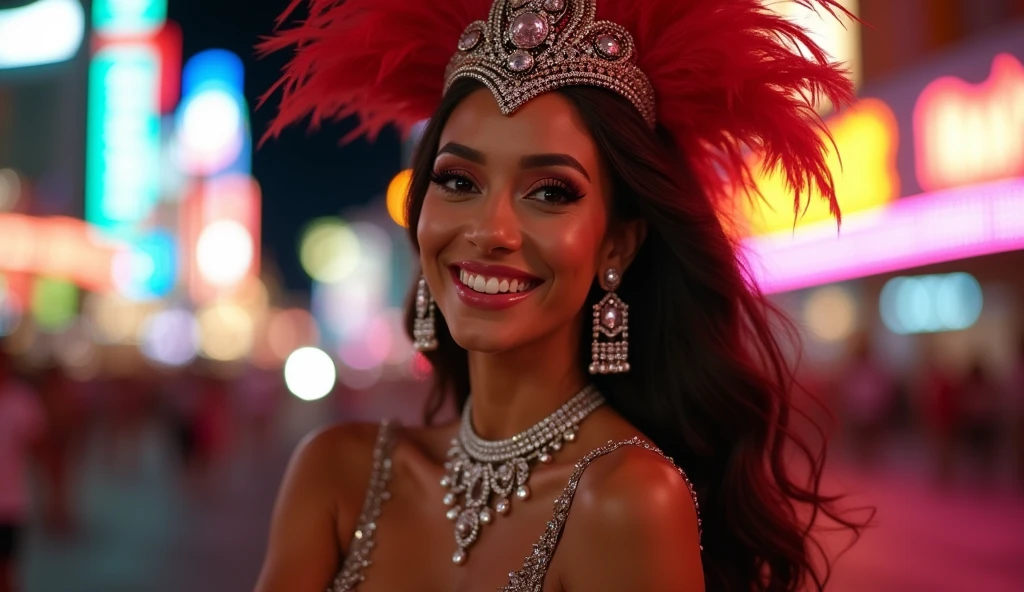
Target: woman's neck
512,391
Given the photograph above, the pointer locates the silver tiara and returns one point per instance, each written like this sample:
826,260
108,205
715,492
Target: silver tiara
529,47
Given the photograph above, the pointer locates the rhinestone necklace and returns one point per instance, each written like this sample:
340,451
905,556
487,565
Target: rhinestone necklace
478,469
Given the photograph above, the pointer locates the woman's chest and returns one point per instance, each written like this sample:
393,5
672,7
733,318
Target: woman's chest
414,539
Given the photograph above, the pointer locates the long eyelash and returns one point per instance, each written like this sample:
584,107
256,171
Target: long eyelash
572,191
442,177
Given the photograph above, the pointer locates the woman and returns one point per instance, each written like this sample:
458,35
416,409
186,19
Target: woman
580,300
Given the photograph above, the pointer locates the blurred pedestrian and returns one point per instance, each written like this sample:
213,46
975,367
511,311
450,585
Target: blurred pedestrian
938,400
866,401
22,429
64,416
978,404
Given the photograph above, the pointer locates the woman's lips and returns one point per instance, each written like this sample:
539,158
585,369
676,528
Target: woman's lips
496,301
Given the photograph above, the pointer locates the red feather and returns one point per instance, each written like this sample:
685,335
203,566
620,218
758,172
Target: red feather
728,78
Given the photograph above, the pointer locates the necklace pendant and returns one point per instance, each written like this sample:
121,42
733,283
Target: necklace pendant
478,470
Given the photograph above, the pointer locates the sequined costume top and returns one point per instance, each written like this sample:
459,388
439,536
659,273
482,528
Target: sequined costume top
529,578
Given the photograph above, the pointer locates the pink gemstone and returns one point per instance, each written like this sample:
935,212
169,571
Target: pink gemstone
611,317
609,46
470,39
529,30
520,61
554,5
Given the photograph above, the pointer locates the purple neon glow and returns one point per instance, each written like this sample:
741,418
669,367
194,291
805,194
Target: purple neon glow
910,232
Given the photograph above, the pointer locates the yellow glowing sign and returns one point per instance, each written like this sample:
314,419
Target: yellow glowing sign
968,133
397,190
864,171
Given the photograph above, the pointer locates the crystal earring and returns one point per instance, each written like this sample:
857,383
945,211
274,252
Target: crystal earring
424,336
611,319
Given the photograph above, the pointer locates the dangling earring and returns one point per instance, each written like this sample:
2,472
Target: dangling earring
424,336
611,319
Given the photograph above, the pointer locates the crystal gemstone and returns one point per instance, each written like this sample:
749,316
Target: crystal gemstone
529,30
609,46
611,316
520,61
470,39
554,5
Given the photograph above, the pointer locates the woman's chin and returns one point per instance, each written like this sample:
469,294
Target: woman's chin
491,340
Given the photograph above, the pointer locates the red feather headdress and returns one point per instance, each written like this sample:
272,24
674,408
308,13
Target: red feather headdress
730,76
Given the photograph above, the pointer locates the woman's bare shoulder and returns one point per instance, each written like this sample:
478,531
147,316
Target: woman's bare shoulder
632,508
340,456
317,507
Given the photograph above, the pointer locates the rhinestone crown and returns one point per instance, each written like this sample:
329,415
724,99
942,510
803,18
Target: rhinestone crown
529,47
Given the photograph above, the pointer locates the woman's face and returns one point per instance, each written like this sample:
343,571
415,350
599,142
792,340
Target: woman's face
513,227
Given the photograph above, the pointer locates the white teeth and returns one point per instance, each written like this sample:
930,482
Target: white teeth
493,285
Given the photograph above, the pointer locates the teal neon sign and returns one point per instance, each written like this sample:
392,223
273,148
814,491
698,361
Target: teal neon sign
123,156
128,17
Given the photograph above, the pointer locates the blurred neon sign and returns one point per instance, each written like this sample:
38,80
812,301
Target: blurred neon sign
56,247
128,17
43,32
867,138
213,118
221,224
123,157
911,232
968,133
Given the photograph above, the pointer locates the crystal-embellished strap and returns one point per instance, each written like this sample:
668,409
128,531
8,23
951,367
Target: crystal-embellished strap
362,543
530,578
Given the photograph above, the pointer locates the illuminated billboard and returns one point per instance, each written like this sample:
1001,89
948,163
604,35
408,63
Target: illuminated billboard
931,170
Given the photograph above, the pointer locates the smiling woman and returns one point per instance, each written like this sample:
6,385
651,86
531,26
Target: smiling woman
625,404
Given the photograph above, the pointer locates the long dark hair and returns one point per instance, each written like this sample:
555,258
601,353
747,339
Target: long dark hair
709,383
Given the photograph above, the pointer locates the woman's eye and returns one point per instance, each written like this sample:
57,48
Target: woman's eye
554,194
453,183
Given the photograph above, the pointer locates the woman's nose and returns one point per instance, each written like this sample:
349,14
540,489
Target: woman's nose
496,225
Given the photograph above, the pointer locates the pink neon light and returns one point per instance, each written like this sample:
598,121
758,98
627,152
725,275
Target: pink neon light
910,232
971,133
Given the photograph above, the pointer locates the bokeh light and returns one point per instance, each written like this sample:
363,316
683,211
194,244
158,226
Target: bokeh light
225,332
931,303
10,310
289,330
116,319
75,350
329,250
54,303
170,337
421,366
309,373
10,189
224,252
830,313
398,189
211,130
359,378
147,269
